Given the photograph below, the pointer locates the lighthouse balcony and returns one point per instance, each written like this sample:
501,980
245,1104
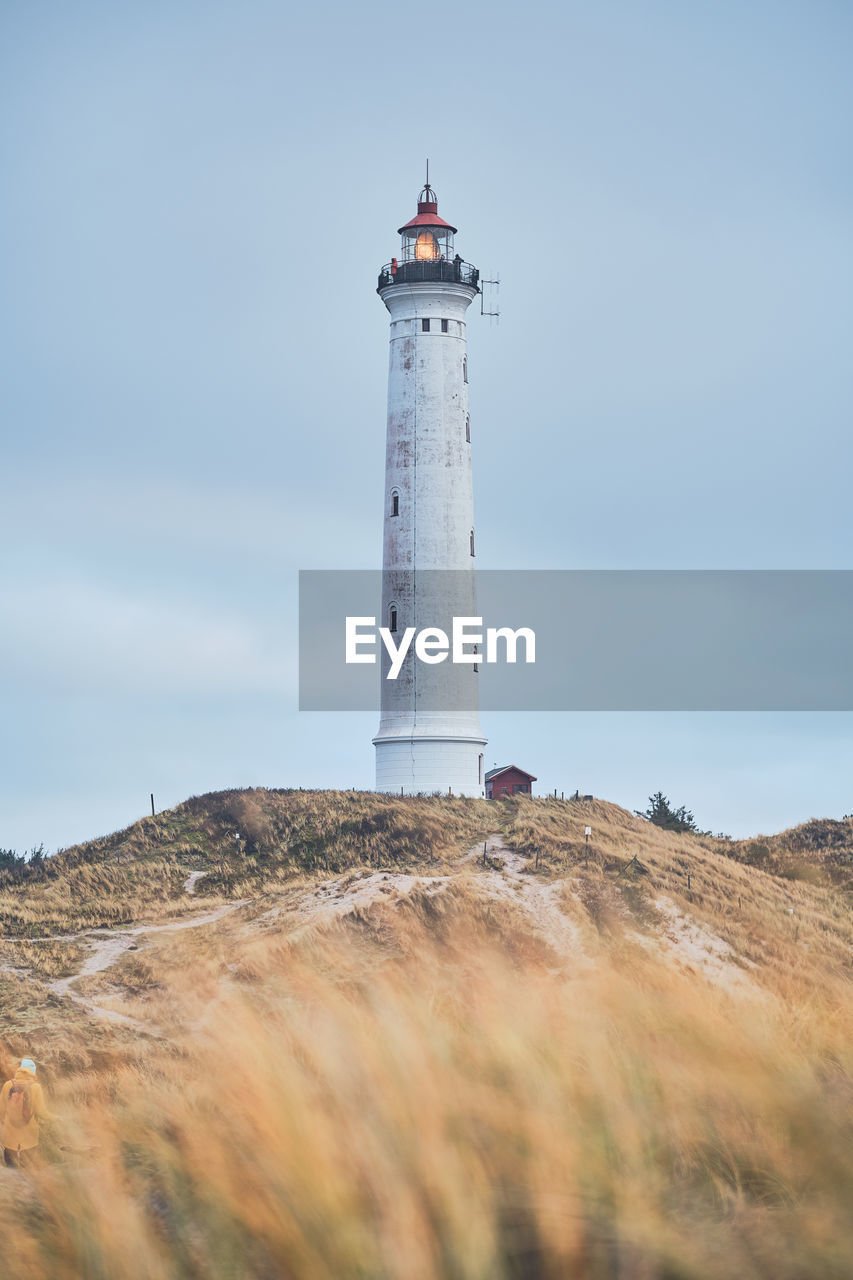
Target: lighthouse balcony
458,272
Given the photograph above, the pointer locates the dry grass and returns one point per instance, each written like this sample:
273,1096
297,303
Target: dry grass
421,1096
796,934
428,1088
819,852
245,841
48,957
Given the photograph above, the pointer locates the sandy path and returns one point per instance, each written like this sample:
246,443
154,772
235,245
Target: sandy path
539,899
683,939
193,879
696,946
108,948
503,877
333,899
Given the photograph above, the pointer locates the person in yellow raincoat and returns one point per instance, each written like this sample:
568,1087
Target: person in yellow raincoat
22,1109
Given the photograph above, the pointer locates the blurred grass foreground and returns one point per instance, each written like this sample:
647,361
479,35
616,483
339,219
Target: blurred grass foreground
425,1087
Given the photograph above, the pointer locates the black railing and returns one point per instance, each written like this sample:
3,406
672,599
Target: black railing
416,272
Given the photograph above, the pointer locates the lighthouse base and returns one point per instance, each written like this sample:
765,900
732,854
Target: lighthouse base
430,765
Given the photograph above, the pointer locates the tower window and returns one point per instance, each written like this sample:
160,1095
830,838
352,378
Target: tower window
444,326
392,618
468,428
472,542
425,326
464,368
395,503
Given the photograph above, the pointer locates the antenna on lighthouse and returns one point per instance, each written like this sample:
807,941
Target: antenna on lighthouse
489,306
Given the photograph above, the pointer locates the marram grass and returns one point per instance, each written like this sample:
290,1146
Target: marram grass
430,1093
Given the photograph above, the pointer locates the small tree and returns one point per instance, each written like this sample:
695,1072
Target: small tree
662,814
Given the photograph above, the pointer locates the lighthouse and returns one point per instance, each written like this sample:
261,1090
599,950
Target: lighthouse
429,737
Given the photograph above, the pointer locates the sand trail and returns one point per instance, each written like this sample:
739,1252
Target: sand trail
108,948
502,875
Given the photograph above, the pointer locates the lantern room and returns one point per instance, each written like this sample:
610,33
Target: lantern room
427,237
427,250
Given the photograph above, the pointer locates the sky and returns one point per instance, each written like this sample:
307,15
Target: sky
196,200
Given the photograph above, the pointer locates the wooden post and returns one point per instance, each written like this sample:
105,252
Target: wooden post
485,842
152,805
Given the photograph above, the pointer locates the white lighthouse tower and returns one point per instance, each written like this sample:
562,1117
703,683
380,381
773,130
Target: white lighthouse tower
429,736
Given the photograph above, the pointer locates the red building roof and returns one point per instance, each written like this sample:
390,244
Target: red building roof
505,768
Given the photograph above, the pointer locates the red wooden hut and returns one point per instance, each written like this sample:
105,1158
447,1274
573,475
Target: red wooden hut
508,780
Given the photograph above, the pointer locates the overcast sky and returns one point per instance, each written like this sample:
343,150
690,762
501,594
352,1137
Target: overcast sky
193,361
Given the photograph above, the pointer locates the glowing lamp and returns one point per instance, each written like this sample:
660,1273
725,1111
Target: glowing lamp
426,250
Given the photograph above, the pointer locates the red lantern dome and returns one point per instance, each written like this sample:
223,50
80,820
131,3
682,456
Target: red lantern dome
427,237
427,249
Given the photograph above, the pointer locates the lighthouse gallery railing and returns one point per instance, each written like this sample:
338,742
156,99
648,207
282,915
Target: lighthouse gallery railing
414,272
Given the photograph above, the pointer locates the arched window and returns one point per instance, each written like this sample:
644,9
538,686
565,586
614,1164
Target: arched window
468,427
464,368
392,617
395,502
472,542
